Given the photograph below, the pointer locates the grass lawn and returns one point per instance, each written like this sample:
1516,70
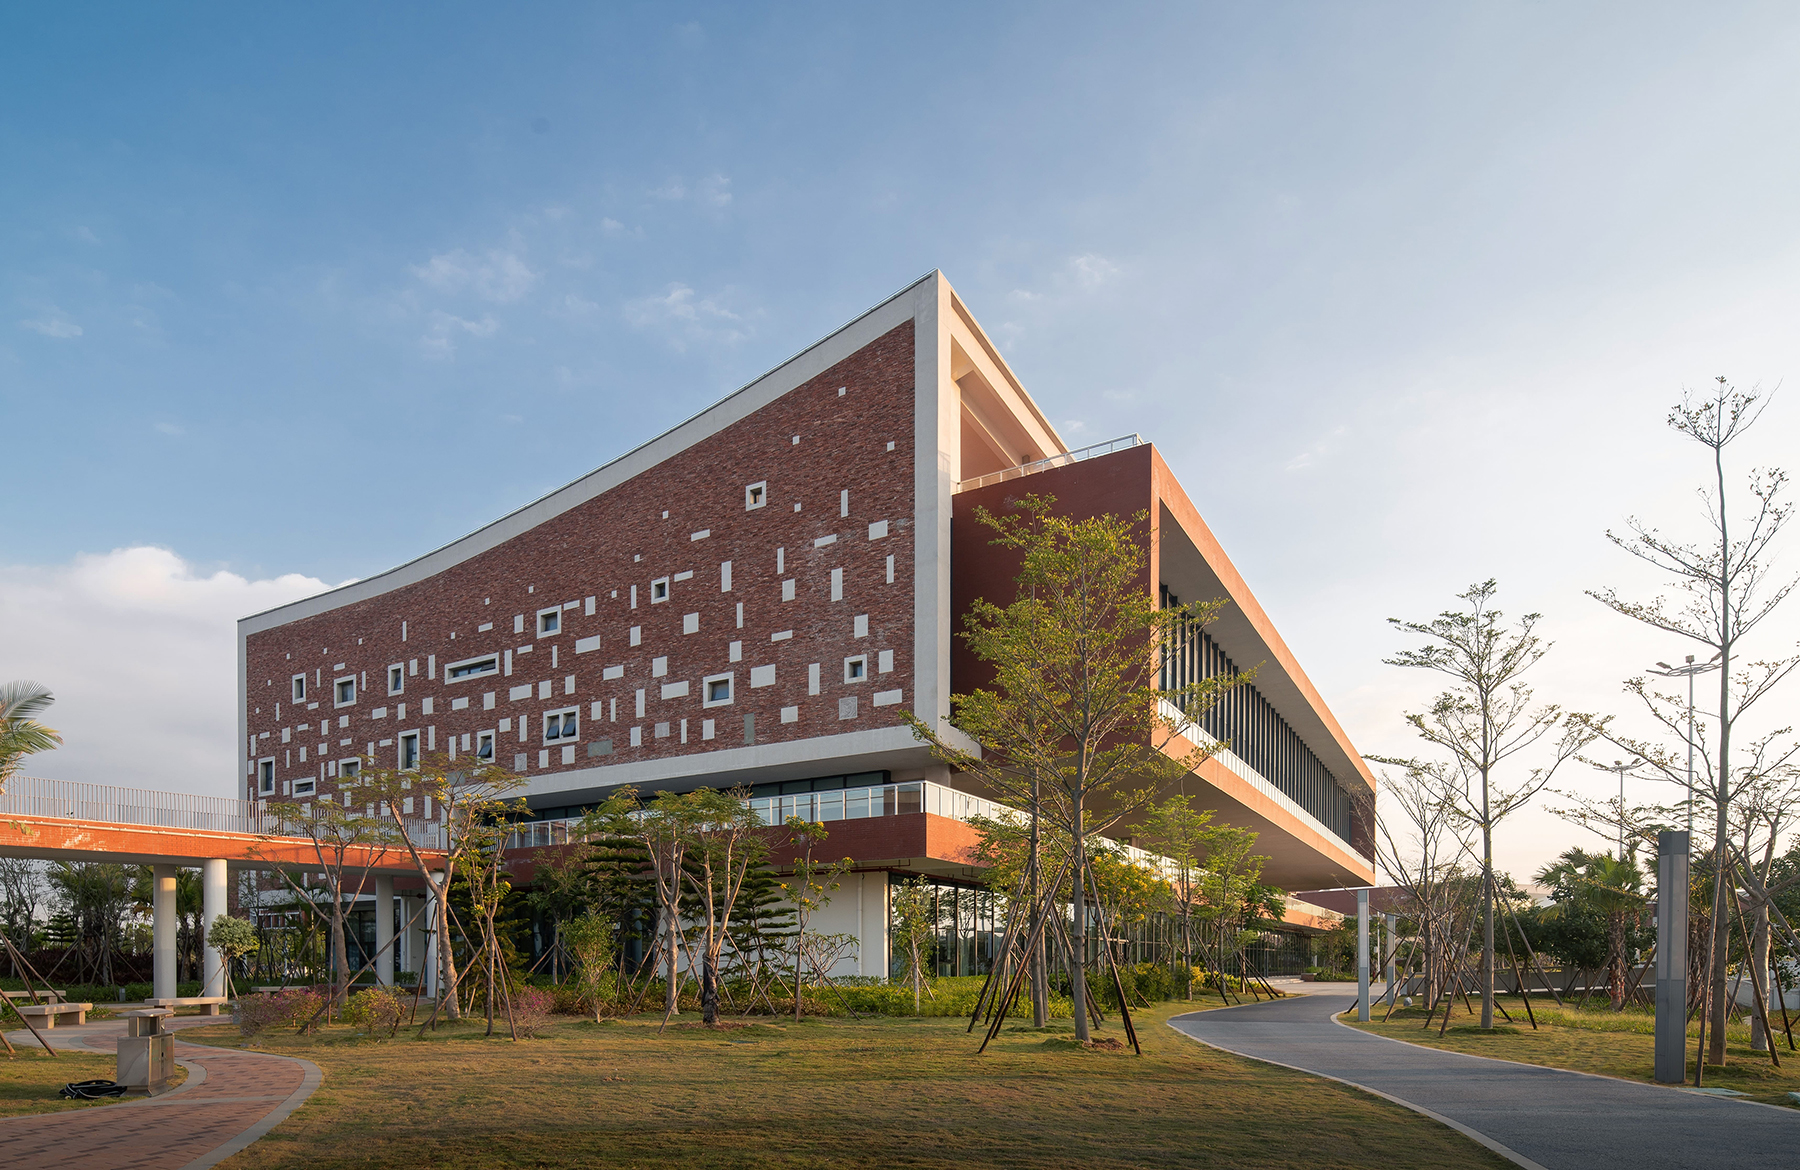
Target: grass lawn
825,1092
29,1081
1595,1040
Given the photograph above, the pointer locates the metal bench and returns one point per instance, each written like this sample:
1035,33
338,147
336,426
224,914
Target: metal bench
50,1013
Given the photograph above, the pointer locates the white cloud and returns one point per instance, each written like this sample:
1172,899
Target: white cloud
500,276
140,650
168,428
716,190
672,188
685,317
439,340
1092,271
52,324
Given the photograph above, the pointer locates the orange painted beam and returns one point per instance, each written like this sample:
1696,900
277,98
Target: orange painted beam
62,839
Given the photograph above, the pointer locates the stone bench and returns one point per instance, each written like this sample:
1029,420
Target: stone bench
50,1013
208,1004
44,993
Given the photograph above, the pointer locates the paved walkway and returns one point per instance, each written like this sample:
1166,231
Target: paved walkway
230,1099
1537,1117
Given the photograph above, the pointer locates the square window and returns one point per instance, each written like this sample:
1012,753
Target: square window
396,678
409,751
484,746
659,590
561,725
345,693
299,688
265,777
715,690
856,668
756,495
350,767
549,621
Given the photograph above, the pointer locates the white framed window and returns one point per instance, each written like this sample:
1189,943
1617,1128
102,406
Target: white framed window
300,688
265,776
716,690
756,495
343,691
549,621
856,668
349,767
471,668
484,746
408,750
562,726
305,786
396,678
659,590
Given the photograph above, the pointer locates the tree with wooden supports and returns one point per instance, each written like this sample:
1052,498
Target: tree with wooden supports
1077,728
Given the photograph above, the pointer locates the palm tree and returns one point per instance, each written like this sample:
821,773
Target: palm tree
1610,887
21,734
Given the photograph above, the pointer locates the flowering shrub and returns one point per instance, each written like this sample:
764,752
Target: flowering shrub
375,1010
256,1012
531,1009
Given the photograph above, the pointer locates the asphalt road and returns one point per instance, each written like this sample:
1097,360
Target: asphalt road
1535,1116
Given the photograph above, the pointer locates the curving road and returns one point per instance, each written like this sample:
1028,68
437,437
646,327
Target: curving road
1537,1117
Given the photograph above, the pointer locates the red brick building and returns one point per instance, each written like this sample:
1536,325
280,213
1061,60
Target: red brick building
753,597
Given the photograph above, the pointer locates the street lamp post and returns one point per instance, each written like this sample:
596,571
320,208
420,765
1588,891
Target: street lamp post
1688,670
1621,767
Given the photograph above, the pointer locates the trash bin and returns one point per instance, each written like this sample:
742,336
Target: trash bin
147,1053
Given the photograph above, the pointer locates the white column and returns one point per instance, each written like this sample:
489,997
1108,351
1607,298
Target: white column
1391,945
413,958
384,928
1362,955
213,886
162,918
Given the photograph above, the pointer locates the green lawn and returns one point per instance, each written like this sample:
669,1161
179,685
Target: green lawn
1595,1040
825,1092
29,1081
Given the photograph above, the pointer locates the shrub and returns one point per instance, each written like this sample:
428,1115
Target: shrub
531,1007
375,1010
256,1012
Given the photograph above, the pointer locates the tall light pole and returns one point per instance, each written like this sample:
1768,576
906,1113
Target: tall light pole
1621,767
1688,670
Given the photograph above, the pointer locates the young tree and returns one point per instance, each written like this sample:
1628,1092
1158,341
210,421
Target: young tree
1177,830
233,938
1481,722
21,734
589,940
725,848
444,805
1420,843
915,930
344,840
1231,896
1077,722
1724,591
808,887
22,889
95,895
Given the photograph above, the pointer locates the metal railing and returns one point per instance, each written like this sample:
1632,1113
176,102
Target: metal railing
1122,443
36,796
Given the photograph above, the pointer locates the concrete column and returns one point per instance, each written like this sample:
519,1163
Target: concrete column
1390,944
1671,956
413,958
213,888
384,928
162,918
1362,955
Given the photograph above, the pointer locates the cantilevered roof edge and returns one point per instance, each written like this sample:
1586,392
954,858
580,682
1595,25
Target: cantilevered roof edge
551,504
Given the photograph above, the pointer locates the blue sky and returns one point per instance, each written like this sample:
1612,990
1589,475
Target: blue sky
1401,291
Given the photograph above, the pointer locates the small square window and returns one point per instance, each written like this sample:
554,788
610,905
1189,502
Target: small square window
484,746
659,590
265,777
409,750
299,688
549,621
350,767
756,495
715,690
560,725
345,694
396,678
856,668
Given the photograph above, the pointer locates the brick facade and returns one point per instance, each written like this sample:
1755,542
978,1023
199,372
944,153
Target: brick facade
846,434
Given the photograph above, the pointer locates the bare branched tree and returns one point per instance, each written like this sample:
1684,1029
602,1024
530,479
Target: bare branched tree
1724,588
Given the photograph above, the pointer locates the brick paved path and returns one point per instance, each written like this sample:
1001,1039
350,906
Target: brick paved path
231,1098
